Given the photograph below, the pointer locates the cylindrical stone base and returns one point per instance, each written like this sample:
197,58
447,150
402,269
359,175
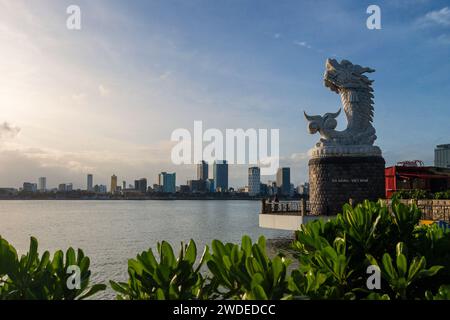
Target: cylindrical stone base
336,180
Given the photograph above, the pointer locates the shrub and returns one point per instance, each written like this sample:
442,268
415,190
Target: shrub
443,195
246,272
416,194
339,252
40,278
168,278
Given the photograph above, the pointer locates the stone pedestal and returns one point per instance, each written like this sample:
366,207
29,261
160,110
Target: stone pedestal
336,179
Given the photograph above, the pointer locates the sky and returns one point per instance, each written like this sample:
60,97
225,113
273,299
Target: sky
105,99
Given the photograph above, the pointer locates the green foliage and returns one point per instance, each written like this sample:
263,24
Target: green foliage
402,275
338,253
442,294
32,277
418,194
443,195
246,272
168,278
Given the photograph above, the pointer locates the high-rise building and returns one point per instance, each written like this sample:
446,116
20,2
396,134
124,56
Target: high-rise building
90,182
124,185
167,181
303,189
284,181
202,171
220,173
197,185
113,183
65,187
140,185
100,188
442,156
42,184
254,181
29,187
210,185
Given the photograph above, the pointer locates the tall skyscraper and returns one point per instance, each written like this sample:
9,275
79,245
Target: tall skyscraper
284,180
140,185
42,184
220,173
90,182
167,181
202,171
124,185
254,181
442,156
113,183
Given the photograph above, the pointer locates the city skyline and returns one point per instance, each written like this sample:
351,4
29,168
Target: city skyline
253,172
106,98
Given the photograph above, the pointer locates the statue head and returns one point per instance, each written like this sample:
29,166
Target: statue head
345,75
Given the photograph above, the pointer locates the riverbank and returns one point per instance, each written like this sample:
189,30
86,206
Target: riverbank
75,195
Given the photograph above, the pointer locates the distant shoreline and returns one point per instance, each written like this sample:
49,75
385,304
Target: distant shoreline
168,197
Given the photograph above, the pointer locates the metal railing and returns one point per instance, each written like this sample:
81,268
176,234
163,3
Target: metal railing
431,209
297,207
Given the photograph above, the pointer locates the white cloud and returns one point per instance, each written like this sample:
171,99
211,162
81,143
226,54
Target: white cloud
7,130
165,75
78,97
443,39
303,44
104,91
439,17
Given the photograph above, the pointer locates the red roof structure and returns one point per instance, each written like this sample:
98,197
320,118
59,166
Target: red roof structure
403,177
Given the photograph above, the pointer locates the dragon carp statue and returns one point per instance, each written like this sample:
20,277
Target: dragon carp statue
356,92
345,166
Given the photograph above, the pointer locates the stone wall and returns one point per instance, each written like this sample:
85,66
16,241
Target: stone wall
335,180
431,209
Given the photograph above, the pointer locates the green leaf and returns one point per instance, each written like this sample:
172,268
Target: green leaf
32,252
402,265
388,267
259,293
262,243
93,290
8,258
160,294
57,262
247,245
218,248
119,287
416,265
400,248
277,269
70,257
167,255
430,272
191,252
